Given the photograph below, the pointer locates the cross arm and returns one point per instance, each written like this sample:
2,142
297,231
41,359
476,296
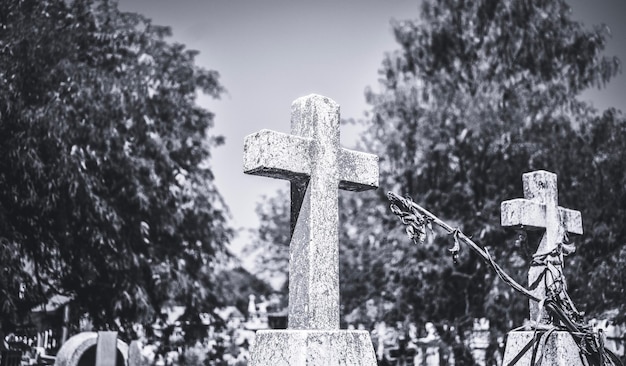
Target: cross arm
358,171
572,219
532,215
277,155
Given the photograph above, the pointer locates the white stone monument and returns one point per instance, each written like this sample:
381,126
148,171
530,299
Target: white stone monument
479,341
312,159
429,345
539,210
86,347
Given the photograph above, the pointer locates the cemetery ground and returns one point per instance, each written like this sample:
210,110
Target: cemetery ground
229,343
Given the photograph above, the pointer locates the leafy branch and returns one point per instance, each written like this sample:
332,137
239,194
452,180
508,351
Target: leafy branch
561,308
418,219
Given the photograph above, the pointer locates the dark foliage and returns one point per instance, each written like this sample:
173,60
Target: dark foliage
105,189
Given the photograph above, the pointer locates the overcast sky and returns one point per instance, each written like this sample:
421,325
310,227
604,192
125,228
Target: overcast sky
270,52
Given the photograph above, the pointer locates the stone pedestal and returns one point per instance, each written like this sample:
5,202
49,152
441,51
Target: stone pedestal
559,349
313,347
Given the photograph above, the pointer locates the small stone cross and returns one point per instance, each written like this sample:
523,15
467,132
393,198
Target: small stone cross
539,210
312,159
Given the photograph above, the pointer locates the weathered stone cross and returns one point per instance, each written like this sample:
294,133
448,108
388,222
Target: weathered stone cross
539,209
312,159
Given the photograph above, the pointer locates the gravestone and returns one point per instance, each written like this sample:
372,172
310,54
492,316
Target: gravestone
106,349
479,341
429,346
615,339
539,210
313,161
91,348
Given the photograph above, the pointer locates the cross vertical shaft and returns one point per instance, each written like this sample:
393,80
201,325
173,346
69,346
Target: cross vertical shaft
314,249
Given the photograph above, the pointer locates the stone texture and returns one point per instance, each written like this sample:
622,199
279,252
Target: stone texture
314,246
71,351
312,159
312,347
540,210
358,171
317,167
277,155
106,349
559,349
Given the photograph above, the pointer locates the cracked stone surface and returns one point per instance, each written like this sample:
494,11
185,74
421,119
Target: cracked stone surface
71,351
559,349
313,347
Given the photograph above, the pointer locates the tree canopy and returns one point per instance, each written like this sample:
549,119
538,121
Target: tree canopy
478,93
269,244
106,192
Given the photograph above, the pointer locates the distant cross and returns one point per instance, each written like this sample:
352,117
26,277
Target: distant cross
539,210
312,159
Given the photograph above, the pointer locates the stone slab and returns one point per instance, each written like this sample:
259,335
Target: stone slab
314,263
106,349
134,354
559,349
71,351
313,160
313,347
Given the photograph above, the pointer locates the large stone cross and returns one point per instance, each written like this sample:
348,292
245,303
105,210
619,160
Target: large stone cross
539,210
312,159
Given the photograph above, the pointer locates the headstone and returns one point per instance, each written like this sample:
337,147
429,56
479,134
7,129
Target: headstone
539,210
106,349
312,159
81,349
479,341
262,305
251,306
135,358
380,334
429,346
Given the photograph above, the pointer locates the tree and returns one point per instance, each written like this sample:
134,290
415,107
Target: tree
270,242
597,274
106,193
478,93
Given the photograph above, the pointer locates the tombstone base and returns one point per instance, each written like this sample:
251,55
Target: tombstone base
313,347
559,349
